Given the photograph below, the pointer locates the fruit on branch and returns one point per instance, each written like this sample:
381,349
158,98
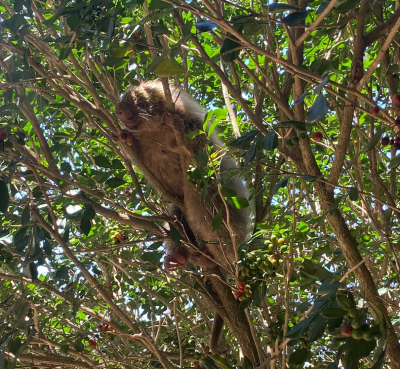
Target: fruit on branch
288,143
375,111
385,141
3,135
396,99
92,343
317,136
346,330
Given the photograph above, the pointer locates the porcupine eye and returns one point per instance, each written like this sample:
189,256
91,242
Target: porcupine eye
141,105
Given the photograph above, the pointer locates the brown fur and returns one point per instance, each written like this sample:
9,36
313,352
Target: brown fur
159,141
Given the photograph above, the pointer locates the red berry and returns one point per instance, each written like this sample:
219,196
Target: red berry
385,141
241,286
200,281
129,137
317,136
375,111
3,135
122,136
196,366
346,330
396,99
92,343
237,294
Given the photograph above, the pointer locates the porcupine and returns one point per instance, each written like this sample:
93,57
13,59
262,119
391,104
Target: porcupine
159,141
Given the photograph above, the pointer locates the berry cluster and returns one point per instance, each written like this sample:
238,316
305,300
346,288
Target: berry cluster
290,142
70,288
356,325
395,142
243,291
358,328
262,262
4,145
117,235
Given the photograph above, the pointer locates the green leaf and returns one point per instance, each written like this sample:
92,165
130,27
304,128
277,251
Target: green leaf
375,139
247,364
102,161
251,153
322,84
75,306
300,98
117,164
244,141
332,313
64,52
230,49
21,320
322,7
310,178
279,7
62,273
296,18
299,329
26,215
33,271
238,202
299,357
18,5
89,211
300,126
270,141
111,27
152,256
57,14
65,235
381,359
19,235
115,182
395,162
193,134
318,328
205,25
78,345
66,167
280,184
347,5
4,197
353,194
15,344
64,349
217,220
168,68
85,225
318,110
14,23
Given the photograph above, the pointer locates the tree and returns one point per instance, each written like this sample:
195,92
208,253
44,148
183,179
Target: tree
305,96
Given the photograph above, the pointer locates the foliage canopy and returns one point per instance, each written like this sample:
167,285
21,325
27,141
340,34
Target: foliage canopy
305,96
